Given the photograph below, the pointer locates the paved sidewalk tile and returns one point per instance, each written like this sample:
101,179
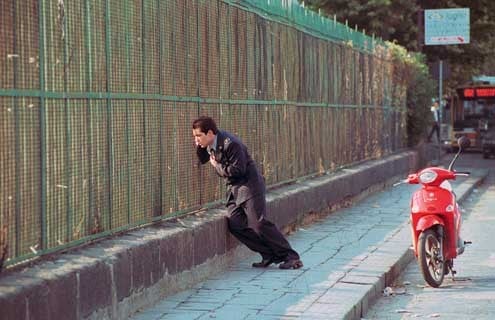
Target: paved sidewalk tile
330,249
346,257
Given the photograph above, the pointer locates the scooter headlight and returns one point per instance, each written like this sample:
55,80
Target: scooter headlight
427,176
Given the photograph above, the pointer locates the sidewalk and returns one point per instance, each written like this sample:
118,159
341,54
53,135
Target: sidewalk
348,259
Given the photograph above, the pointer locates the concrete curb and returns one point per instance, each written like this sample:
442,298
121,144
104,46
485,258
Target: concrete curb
114,278
378,270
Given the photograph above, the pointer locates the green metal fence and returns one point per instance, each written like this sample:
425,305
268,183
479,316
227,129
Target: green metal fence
97,99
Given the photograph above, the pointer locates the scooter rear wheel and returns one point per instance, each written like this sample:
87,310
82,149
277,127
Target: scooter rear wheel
430,258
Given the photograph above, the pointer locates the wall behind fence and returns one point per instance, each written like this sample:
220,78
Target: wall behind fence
97,99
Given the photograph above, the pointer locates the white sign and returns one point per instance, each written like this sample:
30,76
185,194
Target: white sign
447,26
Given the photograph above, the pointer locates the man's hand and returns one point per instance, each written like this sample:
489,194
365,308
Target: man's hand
213,161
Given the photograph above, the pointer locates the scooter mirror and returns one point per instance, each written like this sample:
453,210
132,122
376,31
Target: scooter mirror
464,142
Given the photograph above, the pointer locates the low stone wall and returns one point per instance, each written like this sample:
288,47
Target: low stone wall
116,277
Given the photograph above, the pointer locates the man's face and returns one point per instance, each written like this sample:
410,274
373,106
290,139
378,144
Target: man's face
203,139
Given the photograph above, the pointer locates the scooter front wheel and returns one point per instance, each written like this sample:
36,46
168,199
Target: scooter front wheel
430,258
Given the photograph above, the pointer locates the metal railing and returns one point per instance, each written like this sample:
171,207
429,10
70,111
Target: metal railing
97,99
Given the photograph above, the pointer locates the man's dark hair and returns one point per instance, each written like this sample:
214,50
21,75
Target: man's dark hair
205,124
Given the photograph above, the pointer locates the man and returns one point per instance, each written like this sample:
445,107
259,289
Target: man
246,204
436,121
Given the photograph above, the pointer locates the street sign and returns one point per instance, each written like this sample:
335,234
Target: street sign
447,26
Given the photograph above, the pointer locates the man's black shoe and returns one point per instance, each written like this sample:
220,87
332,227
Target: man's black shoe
265,263
291,264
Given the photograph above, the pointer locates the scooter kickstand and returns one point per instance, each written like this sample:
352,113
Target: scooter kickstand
453,272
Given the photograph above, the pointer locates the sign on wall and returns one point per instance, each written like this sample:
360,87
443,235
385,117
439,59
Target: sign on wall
447,26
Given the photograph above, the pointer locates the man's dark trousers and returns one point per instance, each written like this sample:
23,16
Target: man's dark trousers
248,223
435,128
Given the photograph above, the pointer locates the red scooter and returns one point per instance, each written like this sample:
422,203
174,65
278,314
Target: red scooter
436,220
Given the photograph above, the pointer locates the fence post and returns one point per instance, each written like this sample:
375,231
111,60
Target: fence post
43,217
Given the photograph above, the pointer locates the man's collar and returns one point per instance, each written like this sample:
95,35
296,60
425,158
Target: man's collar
214,144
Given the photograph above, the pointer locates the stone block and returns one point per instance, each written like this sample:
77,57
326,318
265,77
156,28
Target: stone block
122,271
184,246
58,294
204,242
145,264
15,291
168,255
95,288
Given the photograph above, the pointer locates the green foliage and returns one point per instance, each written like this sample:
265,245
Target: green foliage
387,19
419,92
400,21
420,88
397,21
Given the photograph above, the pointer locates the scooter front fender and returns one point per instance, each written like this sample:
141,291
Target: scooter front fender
420,225
426,222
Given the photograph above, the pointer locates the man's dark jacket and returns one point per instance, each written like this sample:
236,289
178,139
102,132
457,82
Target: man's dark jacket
236,166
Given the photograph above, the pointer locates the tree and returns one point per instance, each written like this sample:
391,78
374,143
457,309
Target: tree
397,21
387,19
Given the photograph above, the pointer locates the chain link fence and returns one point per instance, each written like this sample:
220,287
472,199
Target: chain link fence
97,99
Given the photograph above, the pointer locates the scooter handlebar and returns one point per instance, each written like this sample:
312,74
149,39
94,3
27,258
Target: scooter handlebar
462,173
400,182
